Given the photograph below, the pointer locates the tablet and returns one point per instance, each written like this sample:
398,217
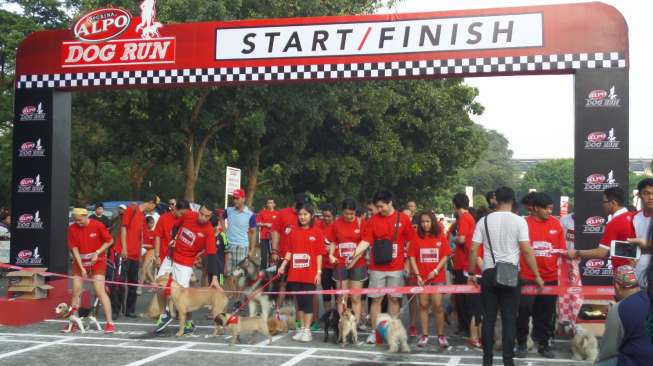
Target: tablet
624,249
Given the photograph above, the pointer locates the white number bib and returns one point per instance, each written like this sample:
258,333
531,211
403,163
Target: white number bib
347,250
429,255
187,237
301,260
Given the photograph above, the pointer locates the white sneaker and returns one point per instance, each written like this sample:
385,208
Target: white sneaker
307,336
299,334
371,339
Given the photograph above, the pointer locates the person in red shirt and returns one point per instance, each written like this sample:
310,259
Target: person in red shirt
304,256
383,226
165,227
619,227
264,221
344,236
195,237
548,241
282,227
327,281
88,241
131,238
429,251
468,306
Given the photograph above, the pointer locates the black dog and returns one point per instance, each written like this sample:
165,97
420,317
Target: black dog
331,321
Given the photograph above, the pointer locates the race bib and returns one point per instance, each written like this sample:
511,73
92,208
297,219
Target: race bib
186,237
347,250
86,260
542,248
429,255
301,260
395,246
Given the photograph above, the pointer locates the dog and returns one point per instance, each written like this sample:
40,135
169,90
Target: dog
149,267
247,278
391,330
238,324
64,311
186,300
584,346
347,326
331,320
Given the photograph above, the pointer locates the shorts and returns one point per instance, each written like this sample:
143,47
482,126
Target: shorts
304,302
98,269
180,273
327,281
238,254
352,274
380,279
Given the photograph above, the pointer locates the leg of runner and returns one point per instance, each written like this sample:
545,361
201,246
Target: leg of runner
78,284
356,303
424,302
438,309
412,312
98,286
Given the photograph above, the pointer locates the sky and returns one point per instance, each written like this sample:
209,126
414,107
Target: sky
508,100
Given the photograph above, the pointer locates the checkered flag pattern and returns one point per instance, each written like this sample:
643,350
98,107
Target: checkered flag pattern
344,71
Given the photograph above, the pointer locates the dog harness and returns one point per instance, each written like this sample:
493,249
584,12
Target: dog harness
232,320
72,311
381,331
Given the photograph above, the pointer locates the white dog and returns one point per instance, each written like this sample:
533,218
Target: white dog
393,332
76,316
584,345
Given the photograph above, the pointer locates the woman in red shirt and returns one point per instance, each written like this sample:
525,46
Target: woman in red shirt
429,251
304,255
344,236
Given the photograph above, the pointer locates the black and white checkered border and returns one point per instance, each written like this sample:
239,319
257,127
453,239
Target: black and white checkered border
424,68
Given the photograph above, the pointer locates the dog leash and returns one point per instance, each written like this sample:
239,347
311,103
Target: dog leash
249,297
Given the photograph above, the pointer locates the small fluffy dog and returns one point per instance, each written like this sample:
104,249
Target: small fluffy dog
347,326
584,345
331,320
187,300
391,330
238,324
64,311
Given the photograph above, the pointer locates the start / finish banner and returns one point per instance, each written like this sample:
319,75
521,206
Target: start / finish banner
113,48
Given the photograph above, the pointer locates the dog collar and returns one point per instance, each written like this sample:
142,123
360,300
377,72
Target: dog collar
71,312
232,320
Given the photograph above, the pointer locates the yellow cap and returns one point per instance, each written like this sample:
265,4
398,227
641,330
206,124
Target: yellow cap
80,211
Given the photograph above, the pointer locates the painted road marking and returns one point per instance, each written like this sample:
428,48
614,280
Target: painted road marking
29,349
161,355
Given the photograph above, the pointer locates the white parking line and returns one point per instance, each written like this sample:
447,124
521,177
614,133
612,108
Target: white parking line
161,355
454,361
29,349
298,358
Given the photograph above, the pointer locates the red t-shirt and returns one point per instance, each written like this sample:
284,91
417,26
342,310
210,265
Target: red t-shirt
88,239
466,226
134,220
163,230
619,228
148,237
306,244
544,236
428,253
285,222
266,217
346,236
383,227
325,229
192,239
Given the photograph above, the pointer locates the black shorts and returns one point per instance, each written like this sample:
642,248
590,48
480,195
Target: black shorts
304,302
327,282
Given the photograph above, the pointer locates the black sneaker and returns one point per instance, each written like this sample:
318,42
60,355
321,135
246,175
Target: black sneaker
546,351
521,351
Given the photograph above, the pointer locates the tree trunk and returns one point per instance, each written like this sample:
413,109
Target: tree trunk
189,171
252,178
136,176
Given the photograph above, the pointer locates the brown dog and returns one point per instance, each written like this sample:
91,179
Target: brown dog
238,324
187,300
276,326
149,267
347,326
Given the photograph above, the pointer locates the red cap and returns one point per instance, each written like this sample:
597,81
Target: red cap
238,193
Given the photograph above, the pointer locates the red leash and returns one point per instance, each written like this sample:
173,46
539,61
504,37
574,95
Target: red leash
251,297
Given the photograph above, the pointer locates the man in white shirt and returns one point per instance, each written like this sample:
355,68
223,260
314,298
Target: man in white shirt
508,236
641,223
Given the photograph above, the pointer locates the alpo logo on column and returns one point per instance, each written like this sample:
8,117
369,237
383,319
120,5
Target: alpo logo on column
31,149
31,185
600,140
594,225
30,222
598,182
603,98
32,113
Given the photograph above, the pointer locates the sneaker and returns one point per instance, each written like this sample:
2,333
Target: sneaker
413,331
109,328
189,328
306,337
443,342
522,351
163,322
315,327
298,335
139,291
546,351
371,339
476,343
423,341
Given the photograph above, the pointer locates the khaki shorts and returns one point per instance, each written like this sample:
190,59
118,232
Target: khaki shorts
379,279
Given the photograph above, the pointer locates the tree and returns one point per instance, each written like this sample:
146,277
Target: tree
494,168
